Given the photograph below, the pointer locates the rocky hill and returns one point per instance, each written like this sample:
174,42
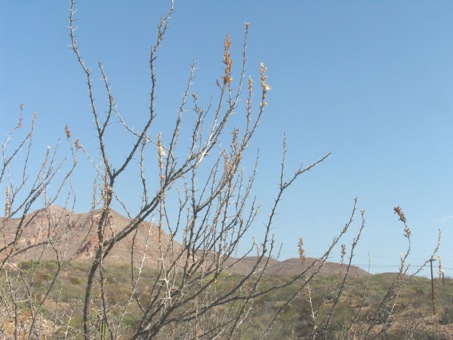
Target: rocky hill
56,232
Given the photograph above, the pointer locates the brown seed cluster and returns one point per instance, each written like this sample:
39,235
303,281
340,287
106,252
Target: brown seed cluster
227,61
400,214
67,131
300,246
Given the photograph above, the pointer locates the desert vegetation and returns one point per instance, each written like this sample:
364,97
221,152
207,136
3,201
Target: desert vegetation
357,311
174,267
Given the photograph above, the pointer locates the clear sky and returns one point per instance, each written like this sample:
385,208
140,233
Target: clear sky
369,81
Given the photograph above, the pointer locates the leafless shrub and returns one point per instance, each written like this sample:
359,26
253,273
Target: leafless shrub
183,239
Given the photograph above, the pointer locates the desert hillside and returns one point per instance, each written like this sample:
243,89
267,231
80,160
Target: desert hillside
52,230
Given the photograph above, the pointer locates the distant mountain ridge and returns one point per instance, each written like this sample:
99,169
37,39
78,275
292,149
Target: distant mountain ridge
74,237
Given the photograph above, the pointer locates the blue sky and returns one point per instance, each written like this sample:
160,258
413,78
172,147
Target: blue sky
369,81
